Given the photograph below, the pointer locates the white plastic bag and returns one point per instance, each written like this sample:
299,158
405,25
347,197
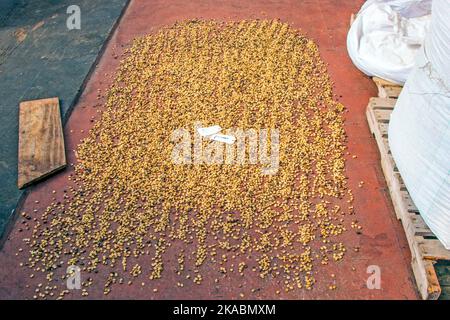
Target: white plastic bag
386,35
438,42
406,8
419,128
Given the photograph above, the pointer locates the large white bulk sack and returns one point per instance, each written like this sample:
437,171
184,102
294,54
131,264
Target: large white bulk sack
419,128
386,36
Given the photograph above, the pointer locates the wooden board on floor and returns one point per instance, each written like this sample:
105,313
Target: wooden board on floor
41,140
426,250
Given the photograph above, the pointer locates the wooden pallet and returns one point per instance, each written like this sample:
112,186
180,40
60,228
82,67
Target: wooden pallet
426,250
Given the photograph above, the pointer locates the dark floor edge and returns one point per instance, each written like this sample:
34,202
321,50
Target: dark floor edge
14,215
66,116
13,218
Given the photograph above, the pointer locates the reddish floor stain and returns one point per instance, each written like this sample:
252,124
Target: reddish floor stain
382,241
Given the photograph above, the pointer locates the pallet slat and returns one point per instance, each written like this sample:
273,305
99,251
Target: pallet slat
433,249
387,89
382,103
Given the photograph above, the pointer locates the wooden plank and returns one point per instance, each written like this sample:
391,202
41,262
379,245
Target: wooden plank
425,248
411,207
434,289
41,140
382,115
387,89
370,119
382,103
420,227
433,249
383,82
426,278
379,130
384,129
389,92
392,92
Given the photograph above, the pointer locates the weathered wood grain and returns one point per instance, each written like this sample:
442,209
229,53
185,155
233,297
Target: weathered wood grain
41,140
387,89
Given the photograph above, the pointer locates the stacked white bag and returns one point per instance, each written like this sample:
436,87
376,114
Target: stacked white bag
419,128
386,36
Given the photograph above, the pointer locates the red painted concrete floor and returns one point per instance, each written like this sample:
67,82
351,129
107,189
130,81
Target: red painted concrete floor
382,241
